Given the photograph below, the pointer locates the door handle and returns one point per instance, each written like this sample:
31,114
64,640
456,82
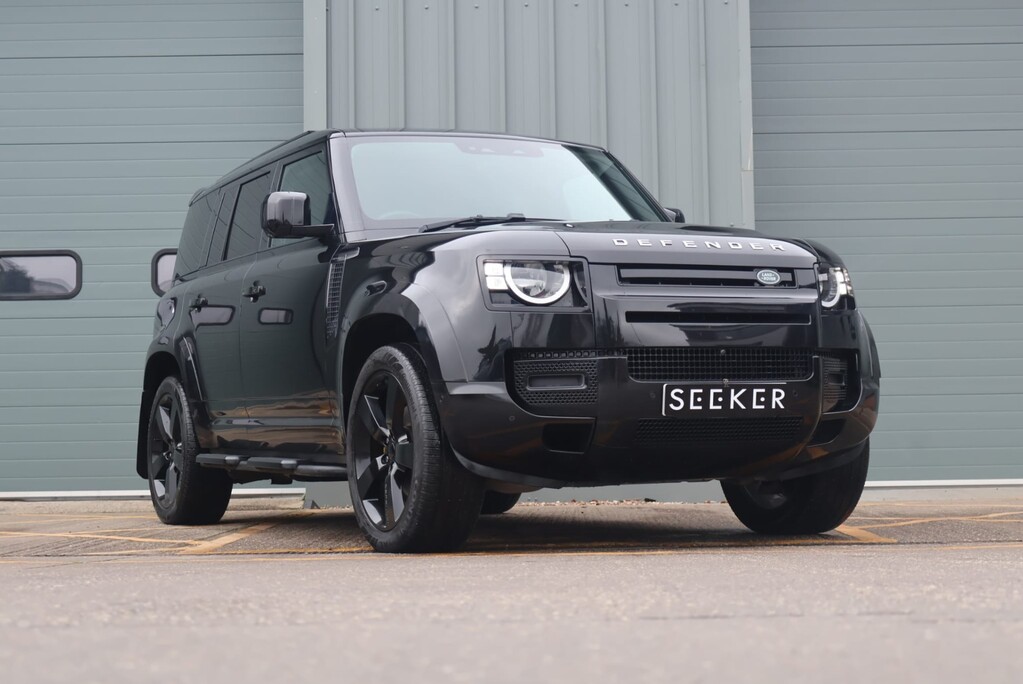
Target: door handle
254,292
198,303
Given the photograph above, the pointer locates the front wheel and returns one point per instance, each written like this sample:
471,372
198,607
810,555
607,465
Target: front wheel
811,504
409,492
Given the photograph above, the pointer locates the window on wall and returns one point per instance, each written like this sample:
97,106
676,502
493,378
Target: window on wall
162,276
310,175
40,275
245,224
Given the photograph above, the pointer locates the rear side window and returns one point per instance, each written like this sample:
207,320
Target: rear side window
245,224
40,275
220,225
192,248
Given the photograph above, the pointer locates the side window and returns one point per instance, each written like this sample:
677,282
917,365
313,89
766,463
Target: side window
195,234
225,202
309,175
40,275
245,228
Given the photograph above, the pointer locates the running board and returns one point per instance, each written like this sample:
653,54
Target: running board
289,467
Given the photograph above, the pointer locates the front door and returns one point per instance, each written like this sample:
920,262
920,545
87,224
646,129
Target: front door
284,338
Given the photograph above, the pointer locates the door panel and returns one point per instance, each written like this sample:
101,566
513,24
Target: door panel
284,349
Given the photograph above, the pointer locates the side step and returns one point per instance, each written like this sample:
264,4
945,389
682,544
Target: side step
271,465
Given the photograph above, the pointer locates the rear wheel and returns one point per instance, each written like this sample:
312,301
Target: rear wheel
409,492
495,503
805,505
183,492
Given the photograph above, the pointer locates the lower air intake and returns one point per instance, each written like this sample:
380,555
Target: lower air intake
659,431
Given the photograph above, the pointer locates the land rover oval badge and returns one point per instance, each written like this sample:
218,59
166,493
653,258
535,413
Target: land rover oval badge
768,276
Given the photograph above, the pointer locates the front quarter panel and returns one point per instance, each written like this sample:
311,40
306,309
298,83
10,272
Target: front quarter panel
432,282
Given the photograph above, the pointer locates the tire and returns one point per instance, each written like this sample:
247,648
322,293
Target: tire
495,503
409,492
183,492
806,505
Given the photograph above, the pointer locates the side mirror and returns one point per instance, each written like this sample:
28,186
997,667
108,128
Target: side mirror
286,215
676,214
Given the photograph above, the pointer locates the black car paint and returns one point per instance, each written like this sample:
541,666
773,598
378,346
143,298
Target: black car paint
284,392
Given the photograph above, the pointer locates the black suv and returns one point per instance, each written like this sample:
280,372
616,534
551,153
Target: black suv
448,320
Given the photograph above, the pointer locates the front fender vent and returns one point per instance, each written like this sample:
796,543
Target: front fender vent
334,278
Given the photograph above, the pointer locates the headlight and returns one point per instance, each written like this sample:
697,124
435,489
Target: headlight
533,282
834,283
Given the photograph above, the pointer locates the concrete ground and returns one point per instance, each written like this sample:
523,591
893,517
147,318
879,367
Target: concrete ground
905,592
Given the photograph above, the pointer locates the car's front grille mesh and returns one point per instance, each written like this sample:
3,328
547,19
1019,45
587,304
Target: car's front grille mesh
530,370
838,379
739,364
680,364
689,431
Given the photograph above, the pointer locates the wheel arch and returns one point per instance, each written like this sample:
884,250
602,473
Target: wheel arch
414,316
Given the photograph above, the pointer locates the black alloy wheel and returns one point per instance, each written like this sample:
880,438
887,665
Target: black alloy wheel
811,504
183,492
166,448
383,459
409,492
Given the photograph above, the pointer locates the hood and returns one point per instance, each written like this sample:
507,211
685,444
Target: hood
660,243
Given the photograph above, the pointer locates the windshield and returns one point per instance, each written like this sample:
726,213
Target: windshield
408,181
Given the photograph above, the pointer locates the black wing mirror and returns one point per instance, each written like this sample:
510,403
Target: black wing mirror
676,214
286,215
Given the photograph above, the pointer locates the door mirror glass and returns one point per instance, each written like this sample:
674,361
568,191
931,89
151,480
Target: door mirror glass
162,276
286,215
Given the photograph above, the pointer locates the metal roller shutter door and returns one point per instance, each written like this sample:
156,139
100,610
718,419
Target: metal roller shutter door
894,133
112,112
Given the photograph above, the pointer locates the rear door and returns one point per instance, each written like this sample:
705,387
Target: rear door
213,303
284,336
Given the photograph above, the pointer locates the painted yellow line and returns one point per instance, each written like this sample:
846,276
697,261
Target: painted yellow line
988,518
85,535
862,535
217,543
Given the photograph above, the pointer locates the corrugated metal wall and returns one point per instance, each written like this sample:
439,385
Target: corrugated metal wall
894,133
112,113
658,82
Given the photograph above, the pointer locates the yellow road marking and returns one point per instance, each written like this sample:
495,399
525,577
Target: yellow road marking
217,543
85,535
862,535
987,518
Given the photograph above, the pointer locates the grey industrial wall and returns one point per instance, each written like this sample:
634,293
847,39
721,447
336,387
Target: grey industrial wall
112,112
894,133
658,82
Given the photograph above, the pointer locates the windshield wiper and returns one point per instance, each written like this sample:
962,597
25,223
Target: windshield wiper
477,221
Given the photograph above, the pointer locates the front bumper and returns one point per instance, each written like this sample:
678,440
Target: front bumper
625,439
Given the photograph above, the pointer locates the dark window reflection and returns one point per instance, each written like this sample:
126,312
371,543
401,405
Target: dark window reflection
39,275
275,316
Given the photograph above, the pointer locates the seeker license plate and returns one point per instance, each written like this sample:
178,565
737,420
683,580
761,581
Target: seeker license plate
685,399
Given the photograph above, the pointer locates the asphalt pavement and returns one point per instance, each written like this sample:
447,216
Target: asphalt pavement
646,592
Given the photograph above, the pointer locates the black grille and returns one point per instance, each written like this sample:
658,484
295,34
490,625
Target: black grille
532,366
701,276
689,431
740,364
838,380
